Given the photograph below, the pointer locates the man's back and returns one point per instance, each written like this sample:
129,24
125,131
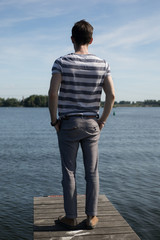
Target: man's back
82,81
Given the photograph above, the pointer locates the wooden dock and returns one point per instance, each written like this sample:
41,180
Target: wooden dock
111,226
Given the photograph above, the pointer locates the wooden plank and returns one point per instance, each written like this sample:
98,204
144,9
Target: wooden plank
80,207
111,224
51,204
79,233
59,199
110,218
49,211
100,237
128,236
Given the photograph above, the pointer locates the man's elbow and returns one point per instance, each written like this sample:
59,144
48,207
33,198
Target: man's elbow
52,94
111,97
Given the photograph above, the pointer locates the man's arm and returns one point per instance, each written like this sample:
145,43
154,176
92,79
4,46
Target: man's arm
53,97
108,88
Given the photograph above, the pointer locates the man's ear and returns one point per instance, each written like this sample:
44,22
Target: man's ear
91,41
72,39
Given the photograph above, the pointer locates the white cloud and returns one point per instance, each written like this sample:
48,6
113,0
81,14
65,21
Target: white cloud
15,11
142,31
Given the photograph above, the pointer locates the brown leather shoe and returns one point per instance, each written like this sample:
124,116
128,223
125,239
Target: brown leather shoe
91,222
69,223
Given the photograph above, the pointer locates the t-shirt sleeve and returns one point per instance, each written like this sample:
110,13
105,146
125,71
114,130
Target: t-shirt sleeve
57,66
108,70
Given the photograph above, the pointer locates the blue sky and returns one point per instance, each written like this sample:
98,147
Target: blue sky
33,33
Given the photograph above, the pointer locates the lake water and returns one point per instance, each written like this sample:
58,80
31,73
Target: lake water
129,153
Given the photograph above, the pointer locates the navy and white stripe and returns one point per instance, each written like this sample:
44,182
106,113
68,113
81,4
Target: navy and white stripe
82,82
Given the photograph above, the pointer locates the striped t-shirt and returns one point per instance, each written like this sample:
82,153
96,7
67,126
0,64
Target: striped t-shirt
82,82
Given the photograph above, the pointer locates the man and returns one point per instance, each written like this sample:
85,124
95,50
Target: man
75,90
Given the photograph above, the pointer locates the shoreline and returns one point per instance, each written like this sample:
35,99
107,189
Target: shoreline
115,106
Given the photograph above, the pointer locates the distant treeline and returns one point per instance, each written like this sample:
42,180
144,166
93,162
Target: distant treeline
32,101
146,103
42,101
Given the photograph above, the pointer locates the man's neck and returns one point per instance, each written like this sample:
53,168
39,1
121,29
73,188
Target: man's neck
83,49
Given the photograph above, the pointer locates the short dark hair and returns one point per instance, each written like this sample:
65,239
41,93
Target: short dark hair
82,32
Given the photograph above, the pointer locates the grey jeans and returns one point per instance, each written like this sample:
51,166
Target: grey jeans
73,132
